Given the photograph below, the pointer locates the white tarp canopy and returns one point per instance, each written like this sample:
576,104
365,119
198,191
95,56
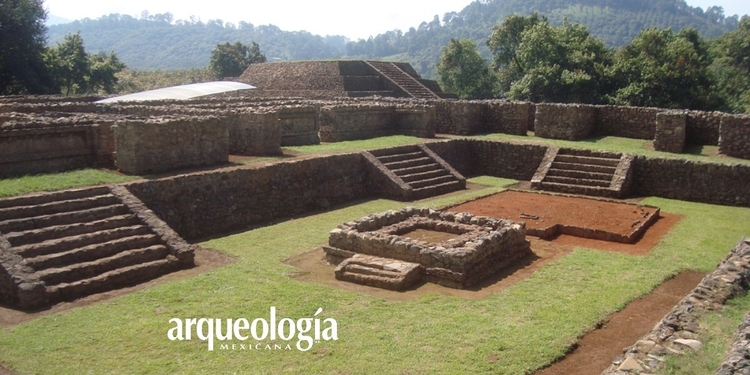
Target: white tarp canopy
181,92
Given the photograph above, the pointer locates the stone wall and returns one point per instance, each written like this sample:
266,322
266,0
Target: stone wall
45,145
204,204
510,117
159,145
735,136
344,123
703,128
564,121
507,159
626,122
459,153
692,181
299,125
461,117
670,131
253,134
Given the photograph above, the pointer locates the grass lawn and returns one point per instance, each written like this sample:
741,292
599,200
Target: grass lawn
513,331
60,181
354,146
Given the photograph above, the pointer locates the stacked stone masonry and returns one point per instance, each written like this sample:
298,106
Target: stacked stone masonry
678,332
64,245
478,247
735,136
670,132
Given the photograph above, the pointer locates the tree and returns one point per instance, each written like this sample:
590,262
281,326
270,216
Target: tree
540,62
22,43
77,72
464,72
231,60
661,68
731,67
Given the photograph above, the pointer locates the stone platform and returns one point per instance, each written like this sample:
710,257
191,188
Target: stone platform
465,249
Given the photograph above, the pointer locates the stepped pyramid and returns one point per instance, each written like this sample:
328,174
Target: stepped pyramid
65,245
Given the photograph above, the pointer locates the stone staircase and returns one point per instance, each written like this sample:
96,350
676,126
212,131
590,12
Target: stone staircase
379,272
65,245
584,172
412,172
404,81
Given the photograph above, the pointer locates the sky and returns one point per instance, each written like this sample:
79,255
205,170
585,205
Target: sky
324,17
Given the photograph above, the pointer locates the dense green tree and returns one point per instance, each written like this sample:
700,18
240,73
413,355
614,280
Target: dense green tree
665,69
77,72
540,62
22,43
464,72
731,67
231,60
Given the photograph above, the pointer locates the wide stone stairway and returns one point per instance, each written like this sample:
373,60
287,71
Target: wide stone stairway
416,171
64,245
584,172
406,82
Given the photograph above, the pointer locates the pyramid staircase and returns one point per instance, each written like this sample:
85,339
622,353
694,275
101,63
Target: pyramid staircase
403,80
584,172
65,245
412,172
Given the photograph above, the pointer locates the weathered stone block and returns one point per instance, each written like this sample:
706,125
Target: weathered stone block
670,131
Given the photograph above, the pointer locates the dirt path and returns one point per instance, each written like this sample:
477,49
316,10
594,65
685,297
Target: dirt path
597,349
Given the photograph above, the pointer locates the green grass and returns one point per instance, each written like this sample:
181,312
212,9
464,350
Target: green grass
717,331
59,181
354,146
513,331
630,145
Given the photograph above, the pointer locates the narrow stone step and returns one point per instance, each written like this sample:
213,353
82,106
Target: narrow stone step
579,189
584,167
379,272
590,153
364,270
113,279
431,191
36,199
400,157
85,270
409,163
417,169
424,175
576,181
68,230
92,252
64,244
17,212
36,222
432,181
587,160
579,174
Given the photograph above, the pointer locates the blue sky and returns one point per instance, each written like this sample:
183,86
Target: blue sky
324,17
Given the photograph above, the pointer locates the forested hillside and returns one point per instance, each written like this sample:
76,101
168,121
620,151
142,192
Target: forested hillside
160,42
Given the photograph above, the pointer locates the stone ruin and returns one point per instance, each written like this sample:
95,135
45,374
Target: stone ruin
396,249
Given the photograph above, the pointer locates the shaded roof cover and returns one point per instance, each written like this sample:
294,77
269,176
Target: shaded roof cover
181,92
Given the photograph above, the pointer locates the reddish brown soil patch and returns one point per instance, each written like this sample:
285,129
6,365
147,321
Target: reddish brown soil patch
429,236
314,268
205,260
596,349
542,211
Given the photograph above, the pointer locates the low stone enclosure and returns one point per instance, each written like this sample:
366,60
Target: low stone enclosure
41,136
382,250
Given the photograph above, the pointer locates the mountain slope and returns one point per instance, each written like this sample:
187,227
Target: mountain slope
158,42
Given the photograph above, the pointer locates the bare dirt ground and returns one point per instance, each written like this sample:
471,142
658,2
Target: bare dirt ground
205,260
541,211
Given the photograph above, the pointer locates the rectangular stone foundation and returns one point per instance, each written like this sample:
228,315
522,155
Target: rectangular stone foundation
480,246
